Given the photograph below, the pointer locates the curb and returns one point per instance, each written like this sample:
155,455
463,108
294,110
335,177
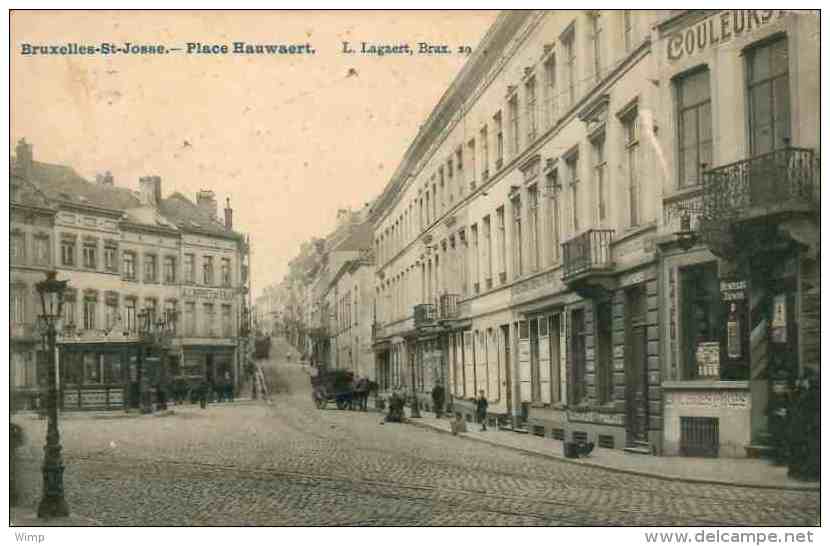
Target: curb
806,487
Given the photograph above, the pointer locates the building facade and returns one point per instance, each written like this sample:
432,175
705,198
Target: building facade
31,255
517,251
740,151
573,233
126,255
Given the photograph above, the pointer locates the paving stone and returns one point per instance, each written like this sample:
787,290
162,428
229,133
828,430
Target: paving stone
288,463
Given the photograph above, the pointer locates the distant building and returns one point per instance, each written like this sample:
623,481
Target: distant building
129,255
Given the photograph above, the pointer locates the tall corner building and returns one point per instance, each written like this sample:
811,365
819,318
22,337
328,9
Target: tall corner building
576,230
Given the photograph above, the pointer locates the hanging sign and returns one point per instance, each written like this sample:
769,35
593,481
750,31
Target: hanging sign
733,290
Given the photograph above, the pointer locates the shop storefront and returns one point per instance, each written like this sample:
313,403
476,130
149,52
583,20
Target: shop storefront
205,362
99,376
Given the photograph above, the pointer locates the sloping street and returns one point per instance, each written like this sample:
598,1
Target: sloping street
287,463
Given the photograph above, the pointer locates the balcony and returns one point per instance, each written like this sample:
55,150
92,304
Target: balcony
429,314
754,194
587,263
448,307
424,314
781,178
318,332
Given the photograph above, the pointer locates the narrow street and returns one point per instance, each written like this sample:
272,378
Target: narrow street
287,463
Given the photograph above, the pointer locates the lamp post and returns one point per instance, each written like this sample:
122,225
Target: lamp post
53,504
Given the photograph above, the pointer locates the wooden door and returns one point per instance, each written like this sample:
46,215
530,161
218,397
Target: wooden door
505,350
636,367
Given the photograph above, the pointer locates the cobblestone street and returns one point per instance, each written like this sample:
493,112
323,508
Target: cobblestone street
288,463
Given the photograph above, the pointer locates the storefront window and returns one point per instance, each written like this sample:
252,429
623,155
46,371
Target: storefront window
113,370
193,365
706,320
92,368
72,367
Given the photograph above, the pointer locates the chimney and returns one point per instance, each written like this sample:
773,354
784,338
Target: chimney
228,214
342,216
150,189
105,179
23,163
206,200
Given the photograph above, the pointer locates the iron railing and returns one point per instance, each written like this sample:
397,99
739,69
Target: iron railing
699,436
424,313
448,306
590,250
775,178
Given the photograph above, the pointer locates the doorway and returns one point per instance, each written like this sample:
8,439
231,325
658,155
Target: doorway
508,383
636,366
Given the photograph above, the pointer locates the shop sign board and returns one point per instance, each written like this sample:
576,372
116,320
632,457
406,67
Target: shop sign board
207,294
734,290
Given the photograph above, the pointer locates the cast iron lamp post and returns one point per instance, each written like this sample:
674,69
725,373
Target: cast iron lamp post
53,504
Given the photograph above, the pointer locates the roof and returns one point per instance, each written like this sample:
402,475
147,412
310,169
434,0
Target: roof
360,238
187,216
62,183
486,55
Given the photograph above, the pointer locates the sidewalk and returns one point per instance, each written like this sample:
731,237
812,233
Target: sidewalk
132,413
757,473
26,517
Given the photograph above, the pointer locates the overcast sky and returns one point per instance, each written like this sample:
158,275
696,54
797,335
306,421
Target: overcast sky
290,139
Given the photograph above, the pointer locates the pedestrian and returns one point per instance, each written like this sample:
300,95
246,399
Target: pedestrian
481,410
228,387
203,394
438,400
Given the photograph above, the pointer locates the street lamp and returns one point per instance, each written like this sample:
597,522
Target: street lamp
52,504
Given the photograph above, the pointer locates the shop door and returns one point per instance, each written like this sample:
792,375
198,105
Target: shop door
636,367
505,349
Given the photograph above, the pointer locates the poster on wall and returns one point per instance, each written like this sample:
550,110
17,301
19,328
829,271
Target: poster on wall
708,359
778,327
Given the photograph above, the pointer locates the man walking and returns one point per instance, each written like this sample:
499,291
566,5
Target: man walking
481,410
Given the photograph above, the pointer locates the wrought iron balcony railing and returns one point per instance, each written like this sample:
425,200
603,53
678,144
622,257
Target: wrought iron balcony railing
448,306
784,176
424,313
587,251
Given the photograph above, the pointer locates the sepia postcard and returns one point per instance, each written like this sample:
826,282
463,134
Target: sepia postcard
440,268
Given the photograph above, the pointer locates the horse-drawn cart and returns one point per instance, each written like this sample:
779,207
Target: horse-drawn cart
334,385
